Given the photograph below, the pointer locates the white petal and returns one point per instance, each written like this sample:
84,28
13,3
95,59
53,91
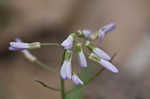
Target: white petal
109,27
101,35
100,53
82,59
68,43
108,66
68,70
76,80
28,55
86,33
19,45
63,73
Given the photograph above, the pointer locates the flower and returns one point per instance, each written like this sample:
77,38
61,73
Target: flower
26,53
68,43
66,70
99,52
81,56
84,33
105,30
82,59
18,45
101,35
76,80
109,27
106,64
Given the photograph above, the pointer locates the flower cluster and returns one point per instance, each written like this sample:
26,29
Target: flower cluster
75,42
96,54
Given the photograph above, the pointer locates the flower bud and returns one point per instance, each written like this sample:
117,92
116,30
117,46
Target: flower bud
76,80
68,43
106,64
105,30
81,56
84,33
100,53
66,70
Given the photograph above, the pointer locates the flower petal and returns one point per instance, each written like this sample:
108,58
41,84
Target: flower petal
108,66
100,53
76,80
68,43
82,59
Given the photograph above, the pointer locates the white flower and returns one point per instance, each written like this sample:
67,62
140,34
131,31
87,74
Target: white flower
106,64
18,45
100,53
28,55
101,35
66,71
86,33
76,80
105,30
81,56
15,46
109,27
82,59
68,43
109,66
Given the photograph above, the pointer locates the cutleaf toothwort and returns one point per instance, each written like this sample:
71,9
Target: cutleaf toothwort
76,42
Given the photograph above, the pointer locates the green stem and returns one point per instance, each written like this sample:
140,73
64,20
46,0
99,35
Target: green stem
62,82
45,66
46,86
86,83
62,89
49,44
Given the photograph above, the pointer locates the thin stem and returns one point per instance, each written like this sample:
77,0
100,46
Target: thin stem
46,86
45,66
49,44
86,83
62,82
62,89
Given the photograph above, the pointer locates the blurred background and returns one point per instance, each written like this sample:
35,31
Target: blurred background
52,21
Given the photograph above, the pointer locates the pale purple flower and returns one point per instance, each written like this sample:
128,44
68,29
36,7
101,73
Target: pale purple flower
17,46
109,27
100,53
105,30
76,80
26,53
101,35
82,59
68,43
109,66
66,71
86,33
106,64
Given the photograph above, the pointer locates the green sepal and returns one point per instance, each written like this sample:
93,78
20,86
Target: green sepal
68,55
80,34
34,45
89,45
93,57
79,47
